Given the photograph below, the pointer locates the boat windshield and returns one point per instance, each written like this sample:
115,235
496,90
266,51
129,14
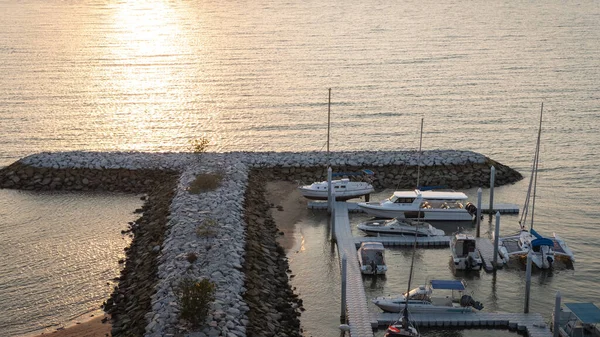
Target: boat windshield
421,293
401,200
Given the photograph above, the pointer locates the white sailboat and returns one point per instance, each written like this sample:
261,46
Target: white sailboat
527,241
343,188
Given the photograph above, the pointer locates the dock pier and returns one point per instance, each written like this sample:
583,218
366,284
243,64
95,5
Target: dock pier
361,322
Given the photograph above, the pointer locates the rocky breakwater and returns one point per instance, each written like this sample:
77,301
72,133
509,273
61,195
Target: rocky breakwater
274,307
392,169
91,171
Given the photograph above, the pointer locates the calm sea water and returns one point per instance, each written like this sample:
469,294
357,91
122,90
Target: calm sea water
253,75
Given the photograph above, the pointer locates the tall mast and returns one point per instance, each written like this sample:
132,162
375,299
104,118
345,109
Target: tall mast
537,160
412,262
419,154
328,123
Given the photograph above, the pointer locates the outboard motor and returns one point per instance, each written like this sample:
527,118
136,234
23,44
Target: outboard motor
470,262
468,301
472,209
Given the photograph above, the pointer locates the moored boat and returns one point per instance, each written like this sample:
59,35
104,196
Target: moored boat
421,299
425,205
394,227
578,319
344,189
465,254
371,258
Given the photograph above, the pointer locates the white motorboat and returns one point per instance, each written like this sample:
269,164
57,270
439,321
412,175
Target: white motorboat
465,254
371,258
578,320
394,227
344,189
425,205
421,299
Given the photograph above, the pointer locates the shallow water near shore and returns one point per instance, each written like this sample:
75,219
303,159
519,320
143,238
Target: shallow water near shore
60,254
152,76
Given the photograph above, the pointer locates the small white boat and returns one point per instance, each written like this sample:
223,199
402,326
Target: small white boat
344,189
465,254
425,205
371,258
578,319
394,227
420,300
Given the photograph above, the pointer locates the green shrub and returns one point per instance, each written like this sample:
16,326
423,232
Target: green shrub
205,182
200,145
194,300
191,257
207,228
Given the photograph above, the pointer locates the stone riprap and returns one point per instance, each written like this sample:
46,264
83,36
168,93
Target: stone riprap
220,250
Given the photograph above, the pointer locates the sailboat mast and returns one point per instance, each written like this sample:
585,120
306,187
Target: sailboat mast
536,164
328,121
419,154
412,262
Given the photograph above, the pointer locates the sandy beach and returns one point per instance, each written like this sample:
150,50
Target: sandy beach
93,327
290,207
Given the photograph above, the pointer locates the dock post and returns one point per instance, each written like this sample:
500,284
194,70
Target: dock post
527,282
343,297
556,323
329,174
492,183
496,239
333,236
478,215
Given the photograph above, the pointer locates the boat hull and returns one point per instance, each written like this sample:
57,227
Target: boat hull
377,210
320,195
397,307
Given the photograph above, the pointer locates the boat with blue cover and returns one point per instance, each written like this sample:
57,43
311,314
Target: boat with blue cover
422,299
578,319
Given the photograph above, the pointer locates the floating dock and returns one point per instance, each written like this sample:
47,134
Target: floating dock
362,322
406,241
532,323
485,209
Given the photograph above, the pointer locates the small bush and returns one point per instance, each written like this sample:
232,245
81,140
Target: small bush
191,257
200,145
205,182
207,228
194,300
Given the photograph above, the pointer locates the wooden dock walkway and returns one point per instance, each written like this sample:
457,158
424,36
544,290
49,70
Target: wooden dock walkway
532,323
406,241
486,250
357,311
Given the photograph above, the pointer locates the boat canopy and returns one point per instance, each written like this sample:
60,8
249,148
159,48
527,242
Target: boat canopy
542,242
432,195
587,313
378,246
448,284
